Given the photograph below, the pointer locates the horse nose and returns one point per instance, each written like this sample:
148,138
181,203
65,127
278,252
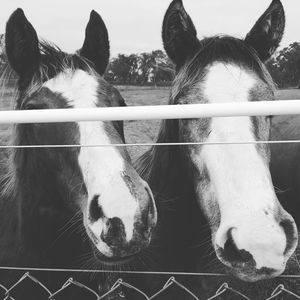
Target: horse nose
258,250
128,230
113,230
252,254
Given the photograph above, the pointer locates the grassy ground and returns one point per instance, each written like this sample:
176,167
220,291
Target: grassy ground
142,131
288,94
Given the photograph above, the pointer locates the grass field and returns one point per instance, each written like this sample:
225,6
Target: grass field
138,131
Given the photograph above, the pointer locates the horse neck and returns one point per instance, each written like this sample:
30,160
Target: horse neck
164,168
33,176
161,166
37,187
41,206
13,220
9,213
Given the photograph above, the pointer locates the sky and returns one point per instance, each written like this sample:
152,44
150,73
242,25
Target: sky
135,25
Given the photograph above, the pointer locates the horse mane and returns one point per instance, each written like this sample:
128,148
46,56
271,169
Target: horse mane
161,161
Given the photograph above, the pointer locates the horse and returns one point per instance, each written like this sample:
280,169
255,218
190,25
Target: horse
68,207
224,213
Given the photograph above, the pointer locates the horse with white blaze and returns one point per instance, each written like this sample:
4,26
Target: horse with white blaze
252,236
46,191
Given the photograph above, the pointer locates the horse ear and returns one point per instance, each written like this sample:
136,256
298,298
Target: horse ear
22,45
179,34
267,33
96,44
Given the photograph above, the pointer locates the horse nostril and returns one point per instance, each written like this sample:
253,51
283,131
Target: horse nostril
232,254
151,213
114,233
95,211
148,217
291,233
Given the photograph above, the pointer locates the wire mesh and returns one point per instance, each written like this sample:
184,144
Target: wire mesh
224,291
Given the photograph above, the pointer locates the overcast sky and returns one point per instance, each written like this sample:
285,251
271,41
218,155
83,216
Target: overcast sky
135,25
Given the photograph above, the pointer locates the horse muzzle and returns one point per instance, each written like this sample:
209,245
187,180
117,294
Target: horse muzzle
126,234
256,247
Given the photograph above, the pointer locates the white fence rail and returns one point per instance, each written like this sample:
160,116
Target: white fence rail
160,112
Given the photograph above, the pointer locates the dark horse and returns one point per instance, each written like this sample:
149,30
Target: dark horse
94,192
220,194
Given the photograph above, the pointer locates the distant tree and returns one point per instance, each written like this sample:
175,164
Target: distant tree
141,69
146,68
164,71
285,67
123,69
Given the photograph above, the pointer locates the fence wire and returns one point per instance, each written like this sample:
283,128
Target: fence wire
225,290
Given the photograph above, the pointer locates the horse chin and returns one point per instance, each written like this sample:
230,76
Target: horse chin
113,261
252,275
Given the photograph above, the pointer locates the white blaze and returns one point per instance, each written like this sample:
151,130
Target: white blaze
240,177
102,167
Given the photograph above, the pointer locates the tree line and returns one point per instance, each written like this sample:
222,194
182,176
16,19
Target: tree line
285,67
152,68
155,68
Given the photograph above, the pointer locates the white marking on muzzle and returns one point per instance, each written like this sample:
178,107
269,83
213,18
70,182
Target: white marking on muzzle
240,178
103,168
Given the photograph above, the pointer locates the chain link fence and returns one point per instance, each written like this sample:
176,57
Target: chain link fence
225,291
